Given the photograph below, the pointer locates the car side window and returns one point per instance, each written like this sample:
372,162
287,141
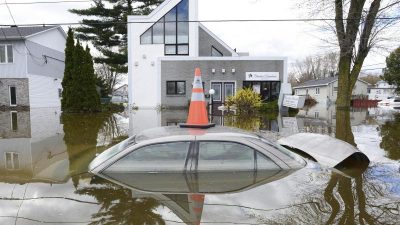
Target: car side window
168,157
265,163
217,156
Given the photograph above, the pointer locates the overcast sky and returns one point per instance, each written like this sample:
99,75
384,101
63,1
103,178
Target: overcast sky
295,40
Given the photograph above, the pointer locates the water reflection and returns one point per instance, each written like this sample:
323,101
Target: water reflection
390,132
44,160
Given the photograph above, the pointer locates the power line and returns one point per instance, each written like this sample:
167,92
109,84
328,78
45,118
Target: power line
45,2
192,21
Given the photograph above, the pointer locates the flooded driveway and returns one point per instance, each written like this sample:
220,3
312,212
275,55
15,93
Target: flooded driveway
44,157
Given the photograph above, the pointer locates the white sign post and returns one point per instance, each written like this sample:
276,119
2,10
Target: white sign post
262,76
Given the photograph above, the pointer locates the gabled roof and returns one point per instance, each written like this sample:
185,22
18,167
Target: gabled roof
322,82
319,82
13,33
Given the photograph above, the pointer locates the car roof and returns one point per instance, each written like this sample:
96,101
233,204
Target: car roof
182,133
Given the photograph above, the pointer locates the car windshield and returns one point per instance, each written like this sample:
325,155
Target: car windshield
109,153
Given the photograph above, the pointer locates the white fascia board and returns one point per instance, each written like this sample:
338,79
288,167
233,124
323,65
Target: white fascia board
310,86
41,32
231,58
218,39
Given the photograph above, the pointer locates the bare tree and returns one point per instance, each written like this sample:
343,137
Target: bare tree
315,67
359,26
108,77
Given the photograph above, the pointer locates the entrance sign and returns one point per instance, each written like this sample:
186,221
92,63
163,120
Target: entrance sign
294,101
262,76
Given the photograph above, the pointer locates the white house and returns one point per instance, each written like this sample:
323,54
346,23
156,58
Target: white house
381,91
166,46
325,90
31,66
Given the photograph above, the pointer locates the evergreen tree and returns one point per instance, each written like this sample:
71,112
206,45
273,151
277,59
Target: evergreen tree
69,67
392,72
79,83
108,32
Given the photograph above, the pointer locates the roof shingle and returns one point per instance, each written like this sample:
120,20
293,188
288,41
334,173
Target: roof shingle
11,33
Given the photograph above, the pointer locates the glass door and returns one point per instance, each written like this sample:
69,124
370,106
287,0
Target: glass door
229,90
217,86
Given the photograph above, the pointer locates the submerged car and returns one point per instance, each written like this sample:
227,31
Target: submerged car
174,154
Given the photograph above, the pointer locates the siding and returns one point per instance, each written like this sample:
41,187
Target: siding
206,41
53,39
184,71
38,65
43,91
17,69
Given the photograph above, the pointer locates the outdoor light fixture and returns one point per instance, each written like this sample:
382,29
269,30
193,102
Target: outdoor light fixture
233,70
136,63
152,63
223,71
213,71
144,56
211,92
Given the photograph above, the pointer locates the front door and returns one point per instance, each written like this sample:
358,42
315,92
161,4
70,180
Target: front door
223,90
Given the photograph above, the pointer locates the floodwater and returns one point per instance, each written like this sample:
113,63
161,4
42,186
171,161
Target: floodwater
44,157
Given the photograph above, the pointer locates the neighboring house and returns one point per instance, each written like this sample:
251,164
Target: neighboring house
325,90
381,91
31,66
120,94
164,49
32,147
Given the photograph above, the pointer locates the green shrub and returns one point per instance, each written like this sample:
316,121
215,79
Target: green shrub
245,100
269,106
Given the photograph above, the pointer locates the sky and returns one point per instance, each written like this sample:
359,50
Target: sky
294,40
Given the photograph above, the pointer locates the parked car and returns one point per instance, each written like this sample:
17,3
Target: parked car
218,149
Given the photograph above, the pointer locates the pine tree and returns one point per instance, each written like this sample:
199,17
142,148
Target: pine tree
109,31
69,67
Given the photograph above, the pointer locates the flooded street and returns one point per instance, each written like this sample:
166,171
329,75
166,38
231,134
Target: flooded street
44,158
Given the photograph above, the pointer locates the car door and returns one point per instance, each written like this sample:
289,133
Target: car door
156,168
226,166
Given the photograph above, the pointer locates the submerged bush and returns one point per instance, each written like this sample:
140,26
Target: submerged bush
245,101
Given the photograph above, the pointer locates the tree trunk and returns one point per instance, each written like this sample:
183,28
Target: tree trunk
343,126
343,100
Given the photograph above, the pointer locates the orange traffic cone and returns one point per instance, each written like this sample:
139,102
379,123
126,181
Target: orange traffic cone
196,202
198,116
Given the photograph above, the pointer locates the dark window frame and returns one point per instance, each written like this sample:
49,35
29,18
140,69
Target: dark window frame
176,44
214,48
10,94
176,88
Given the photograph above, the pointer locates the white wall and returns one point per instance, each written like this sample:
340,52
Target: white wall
18,68
43,91
53,39
144,79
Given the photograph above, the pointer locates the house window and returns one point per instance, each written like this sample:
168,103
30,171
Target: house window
13,95
176,87
60,93
317,91
12,161
215,52
316,115
6,54
14,121
335,89
171,30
